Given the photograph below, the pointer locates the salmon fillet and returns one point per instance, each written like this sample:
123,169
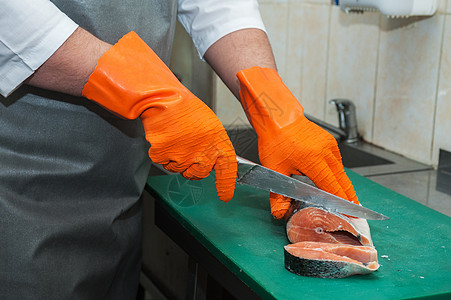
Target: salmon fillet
313,224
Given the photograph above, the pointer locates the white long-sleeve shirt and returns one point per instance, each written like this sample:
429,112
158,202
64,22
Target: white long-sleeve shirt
32,30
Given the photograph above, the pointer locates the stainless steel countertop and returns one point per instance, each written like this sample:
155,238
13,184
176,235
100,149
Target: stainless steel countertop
406,177
420,186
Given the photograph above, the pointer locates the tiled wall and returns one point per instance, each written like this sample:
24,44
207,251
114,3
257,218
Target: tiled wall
397,71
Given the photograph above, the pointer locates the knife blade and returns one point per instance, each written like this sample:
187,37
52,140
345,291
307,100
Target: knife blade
257,176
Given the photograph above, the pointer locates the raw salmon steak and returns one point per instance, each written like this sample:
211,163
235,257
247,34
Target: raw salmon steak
328,244
325,260
314,224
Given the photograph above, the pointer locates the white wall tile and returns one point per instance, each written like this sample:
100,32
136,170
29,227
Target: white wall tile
227,107
442,131
314,71
442,6
353,47
389,68
406,85
275,18
447,5
307,55
295,48
272,1
319,2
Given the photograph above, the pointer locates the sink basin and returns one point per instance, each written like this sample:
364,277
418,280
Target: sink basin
353,157
245,142
363,158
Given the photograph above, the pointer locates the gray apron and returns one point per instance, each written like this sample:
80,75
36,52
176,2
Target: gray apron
71,175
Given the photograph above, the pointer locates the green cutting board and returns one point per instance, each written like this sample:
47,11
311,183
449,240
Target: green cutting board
414,246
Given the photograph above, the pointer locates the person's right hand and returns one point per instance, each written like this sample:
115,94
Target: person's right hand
185,135
287,142
188,138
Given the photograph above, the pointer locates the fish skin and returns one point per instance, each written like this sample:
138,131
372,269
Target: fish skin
323,268
343,231
329,268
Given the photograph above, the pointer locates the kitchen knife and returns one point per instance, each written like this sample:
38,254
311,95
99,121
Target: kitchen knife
257,176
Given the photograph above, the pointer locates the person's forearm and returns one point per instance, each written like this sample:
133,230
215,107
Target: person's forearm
239,50
68,69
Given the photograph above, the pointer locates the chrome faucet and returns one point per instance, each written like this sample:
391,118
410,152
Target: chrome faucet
347,121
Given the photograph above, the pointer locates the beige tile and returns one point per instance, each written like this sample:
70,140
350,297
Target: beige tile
275,18
406,85
320,2
314,71
442,130
274,15
307,55
227,107
442,6
352,61
295,48
272,1
447,4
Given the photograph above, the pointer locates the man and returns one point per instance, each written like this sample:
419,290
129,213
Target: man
73,169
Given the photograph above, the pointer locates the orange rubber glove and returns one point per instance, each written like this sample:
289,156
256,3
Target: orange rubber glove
185,135
287,142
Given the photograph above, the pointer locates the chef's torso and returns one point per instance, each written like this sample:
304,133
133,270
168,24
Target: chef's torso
72,173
